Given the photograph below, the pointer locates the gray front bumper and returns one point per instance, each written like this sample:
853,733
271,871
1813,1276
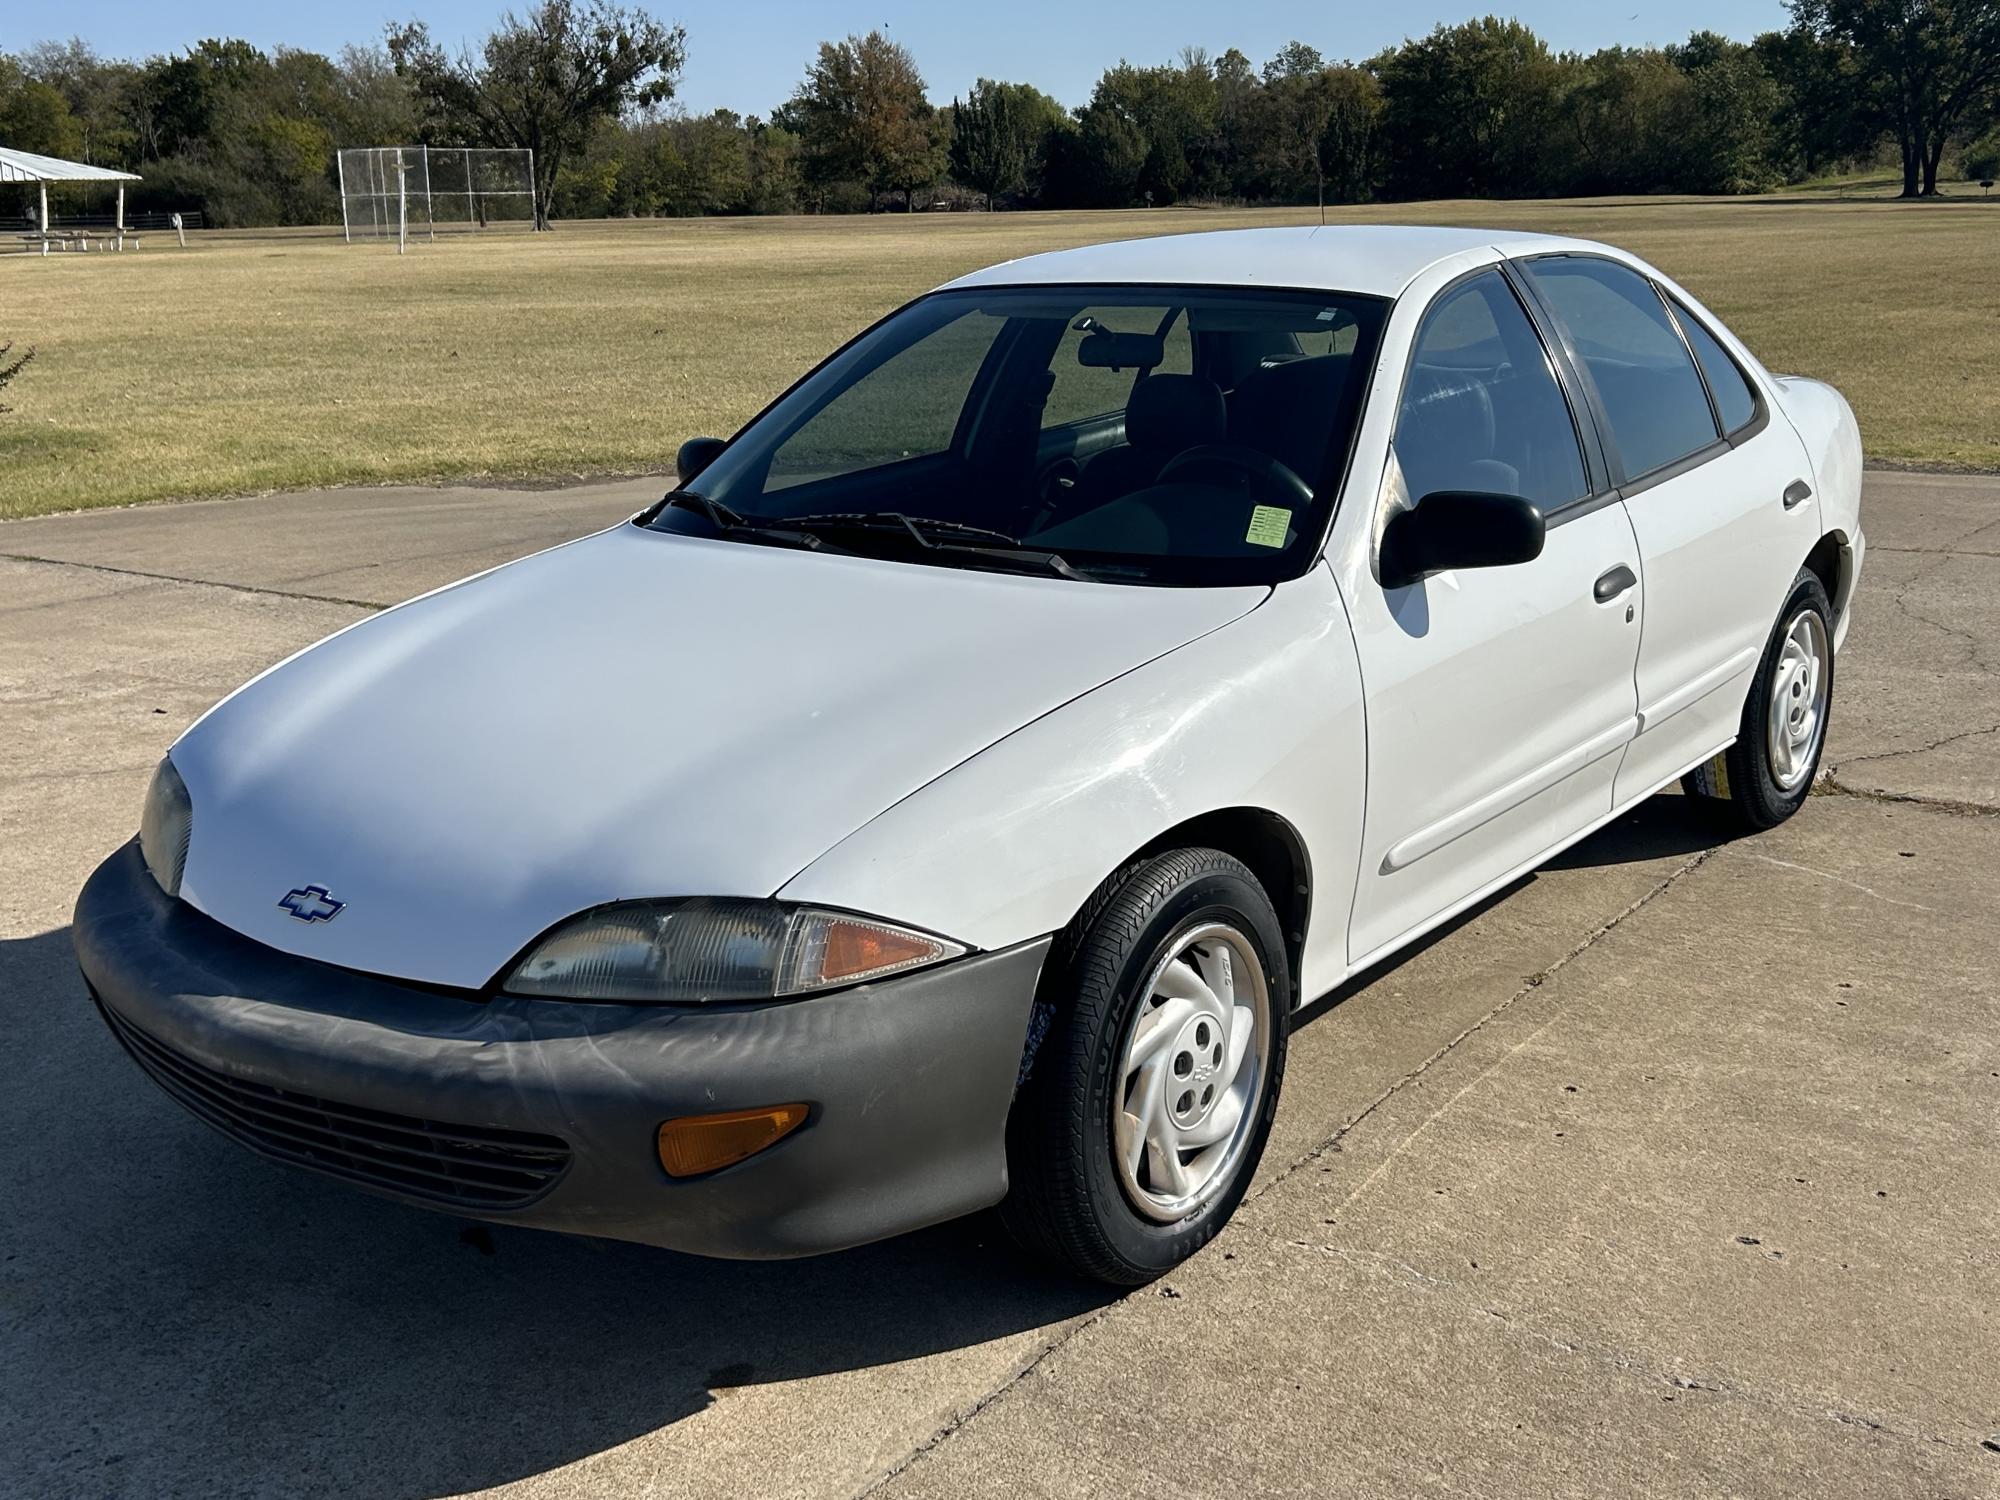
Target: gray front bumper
909,1081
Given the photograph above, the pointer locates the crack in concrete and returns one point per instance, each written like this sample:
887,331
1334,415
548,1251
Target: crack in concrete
1968,643
1331,1143
1934,551
1638,1363
1528,987
200,583
965,1414
1830,785
1866,890
1936,744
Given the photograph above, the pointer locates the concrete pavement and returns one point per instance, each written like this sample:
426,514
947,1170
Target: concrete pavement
1668,1172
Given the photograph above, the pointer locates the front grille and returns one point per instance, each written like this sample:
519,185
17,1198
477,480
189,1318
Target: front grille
456,1166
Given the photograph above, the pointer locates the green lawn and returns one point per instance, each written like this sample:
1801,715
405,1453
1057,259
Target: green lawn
254,363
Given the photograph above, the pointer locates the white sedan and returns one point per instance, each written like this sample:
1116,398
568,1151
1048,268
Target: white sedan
947,794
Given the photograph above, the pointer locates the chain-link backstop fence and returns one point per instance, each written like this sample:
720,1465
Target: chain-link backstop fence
388,191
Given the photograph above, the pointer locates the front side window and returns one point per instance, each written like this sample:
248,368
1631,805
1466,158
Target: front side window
1207,429
909,412
1482,408
1644,377
1735,402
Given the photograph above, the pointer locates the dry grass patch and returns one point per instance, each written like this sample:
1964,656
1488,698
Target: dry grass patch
287,361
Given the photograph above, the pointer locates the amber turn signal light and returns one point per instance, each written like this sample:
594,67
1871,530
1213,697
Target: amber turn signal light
855,948
695,1144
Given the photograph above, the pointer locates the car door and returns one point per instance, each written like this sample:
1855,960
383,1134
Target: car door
1498,699
1716,490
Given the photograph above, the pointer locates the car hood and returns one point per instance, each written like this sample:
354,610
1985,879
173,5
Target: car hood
634,714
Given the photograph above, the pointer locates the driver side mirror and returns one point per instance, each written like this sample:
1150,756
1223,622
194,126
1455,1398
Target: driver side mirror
1459,529
696,454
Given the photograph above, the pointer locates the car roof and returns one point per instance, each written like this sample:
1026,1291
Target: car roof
1373,259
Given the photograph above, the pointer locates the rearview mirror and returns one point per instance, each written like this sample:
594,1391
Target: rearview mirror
1459,529
696,454
1104,349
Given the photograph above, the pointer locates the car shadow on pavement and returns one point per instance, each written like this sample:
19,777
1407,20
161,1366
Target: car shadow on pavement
1658,828
182,1316
1661,827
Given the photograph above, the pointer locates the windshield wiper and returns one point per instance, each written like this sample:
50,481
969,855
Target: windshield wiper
923,528
731,522
926,530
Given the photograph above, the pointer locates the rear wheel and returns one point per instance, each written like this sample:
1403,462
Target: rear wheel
1767,774
1146,1107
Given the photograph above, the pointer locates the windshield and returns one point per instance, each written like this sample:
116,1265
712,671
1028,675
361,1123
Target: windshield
1174,435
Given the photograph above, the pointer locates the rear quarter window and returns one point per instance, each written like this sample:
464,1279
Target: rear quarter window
1734,398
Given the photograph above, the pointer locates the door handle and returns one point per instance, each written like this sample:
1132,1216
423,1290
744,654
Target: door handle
1611,584
1797,493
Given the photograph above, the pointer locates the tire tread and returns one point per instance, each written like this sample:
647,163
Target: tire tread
1048,1208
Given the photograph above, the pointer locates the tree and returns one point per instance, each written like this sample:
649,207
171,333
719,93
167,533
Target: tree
1347,139
1467,111
1097,161
1298,104
708,165
98,94
774,168
545,80
1824,113
373,105
1175,110
862,117
1933,62
999,137
1723,129
1980,161
1618,106
34,116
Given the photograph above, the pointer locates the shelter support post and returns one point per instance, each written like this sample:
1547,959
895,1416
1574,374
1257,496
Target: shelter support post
121,216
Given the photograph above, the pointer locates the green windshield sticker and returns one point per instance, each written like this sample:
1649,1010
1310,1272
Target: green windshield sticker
1268,525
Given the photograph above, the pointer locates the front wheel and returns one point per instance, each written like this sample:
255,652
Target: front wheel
1146,1106
1767,774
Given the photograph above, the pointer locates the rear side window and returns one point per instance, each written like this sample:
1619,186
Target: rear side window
1734,399
1482,409
1647,382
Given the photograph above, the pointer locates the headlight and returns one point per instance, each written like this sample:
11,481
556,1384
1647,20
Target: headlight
713,949
165,827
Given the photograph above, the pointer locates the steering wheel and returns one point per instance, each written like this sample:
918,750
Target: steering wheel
1235,459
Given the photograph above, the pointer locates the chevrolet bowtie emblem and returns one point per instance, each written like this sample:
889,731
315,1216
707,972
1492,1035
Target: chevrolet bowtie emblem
312,903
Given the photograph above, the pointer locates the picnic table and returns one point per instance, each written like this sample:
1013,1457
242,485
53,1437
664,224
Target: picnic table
74,239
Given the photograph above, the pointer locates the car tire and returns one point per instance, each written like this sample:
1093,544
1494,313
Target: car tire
1766,776
1139,1047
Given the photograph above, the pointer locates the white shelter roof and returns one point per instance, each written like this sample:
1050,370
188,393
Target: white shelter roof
26,166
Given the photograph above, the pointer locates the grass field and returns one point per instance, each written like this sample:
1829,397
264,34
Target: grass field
282,361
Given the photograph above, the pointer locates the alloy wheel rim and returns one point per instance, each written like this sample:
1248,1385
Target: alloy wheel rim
1192,1075
1795,722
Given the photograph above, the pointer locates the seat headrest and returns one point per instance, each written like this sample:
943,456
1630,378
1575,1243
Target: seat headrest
1449,406
1171,413
1286,410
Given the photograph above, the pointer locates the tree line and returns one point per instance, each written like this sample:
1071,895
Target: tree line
1481,109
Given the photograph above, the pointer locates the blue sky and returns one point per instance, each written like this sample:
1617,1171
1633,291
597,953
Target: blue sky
749,54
